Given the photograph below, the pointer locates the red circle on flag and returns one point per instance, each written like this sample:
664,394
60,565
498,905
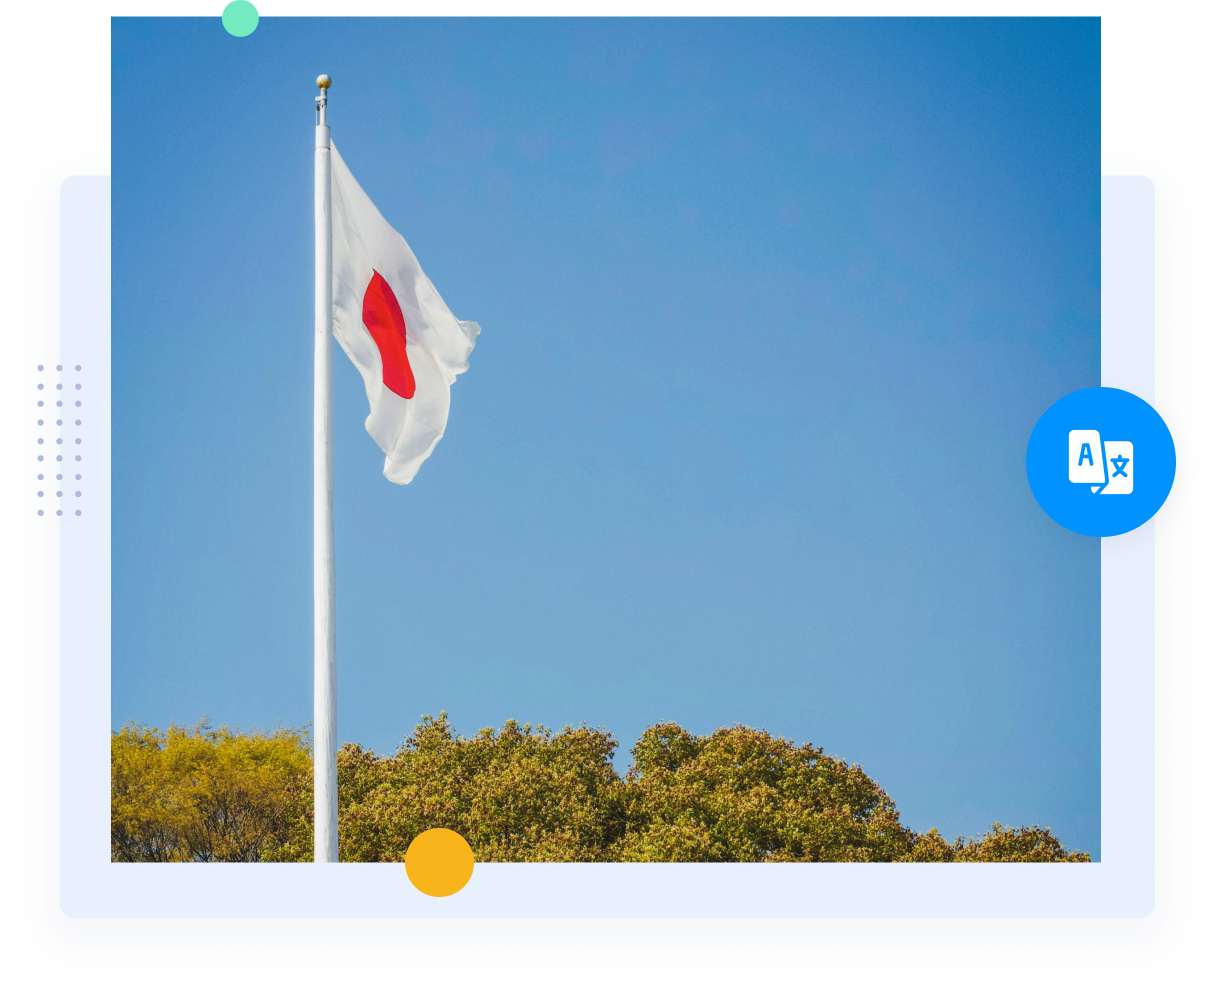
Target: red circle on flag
383,318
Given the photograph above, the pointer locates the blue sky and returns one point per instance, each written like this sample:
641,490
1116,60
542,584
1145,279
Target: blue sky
769,311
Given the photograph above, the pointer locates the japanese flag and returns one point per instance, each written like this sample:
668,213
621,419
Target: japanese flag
395,327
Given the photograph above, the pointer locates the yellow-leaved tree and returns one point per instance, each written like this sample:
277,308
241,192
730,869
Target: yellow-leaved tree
202,795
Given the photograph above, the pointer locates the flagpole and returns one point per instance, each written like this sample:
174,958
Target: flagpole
324,630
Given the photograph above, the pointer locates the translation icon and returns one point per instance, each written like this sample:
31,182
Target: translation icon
1139,472
1107,468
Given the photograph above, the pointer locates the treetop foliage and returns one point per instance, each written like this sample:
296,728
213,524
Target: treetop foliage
525,794
200,795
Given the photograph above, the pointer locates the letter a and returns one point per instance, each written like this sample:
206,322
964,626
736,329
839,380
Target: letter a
1085,453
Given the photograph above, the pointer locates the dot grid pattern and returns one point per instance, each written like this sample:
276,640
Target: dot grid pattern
59,466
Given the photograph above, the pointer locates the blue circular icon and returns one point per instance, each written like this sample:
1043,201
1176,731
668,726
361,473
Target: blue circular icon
1101,461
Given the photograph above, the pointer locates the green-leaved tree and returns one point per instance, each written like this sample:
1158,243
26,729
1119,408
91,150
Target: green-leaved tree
516,795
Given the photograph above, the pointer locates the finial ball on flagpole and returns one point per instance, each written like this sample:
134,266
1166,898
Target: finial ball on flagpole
323,81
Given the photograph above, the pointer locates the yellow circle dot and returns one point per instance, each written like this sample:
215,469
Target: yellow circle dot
439,862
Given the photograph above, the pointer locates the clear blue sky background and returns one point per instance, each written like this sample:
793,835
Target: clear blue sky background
770,309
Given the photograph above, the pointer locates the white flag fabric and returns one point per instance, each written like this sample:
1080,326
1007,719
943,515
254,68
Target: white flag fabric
395,327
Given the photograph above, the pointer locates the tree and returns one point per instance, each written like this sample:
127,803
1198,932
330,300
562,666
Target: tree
197,795
741,795
999,844
524,794
518,795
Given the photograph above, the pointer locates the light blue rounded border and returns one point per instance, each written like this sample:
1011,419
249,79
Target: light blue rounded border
1167,948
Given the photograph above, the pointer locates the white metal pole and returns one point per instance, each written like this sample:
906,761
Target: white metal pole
324,641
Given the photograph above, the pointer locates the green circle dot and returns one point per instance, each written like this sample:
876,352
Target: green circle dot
240,18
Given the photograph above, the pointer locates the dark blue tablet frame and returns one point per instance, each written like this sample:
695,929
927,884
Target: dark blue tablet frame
1167,940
